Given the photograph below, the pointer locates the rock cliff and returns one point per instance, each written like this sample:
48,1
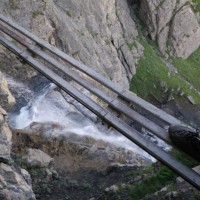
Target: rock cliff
14,181
104,35
173,24
101,34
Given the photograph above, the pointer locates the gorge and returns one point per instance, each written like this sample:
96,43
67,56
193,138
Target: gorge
111,38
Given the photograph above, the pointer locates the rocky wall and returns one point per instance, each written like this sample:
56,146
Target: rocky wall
15,183
173,24
101,35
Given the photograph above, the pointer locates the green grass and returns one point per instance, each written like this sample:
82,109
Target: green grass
184,158
68,12
131,45
36,13
158,176
197,7
107,42
152,71
190,68
197,196
149,72
156,179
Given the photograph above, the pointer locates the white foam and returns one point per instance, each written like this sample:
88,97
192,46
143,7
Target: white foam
50,107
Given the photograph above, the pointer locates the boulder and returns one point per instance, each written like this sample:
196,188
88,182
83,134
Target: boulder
37,158
185,32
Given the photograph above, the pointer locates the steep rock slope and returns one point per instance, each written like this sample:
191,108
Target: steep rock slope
101,34
173,24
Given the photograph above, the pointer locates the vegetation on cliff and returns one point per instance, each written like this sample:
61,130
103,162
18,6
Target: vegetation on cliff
154,76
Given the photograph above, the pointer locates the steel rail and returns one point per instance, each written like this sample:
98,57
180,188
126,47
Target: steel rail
113,102
186,173
123,93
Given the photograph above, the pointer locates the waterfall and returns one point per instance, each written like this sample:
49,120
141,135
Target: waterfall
43,103
30,112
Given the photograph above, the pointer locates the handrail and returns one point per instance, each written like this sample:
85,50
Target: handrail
25,52
186,173
113,102
123,93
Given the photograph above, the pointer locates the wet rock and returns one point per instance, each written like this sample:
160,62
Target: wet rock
26,176
39,84
37,158
15,183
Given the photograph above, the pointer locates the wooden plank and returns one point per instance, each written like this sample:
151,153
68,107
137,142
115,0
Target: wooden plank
186,173
130,97
115,103
151,108
11,46
154,150
146,123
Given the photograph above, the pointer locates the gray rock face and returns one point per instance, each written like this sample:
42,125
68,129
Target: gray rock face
173,24
7,100
100,34
185,32
13,185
